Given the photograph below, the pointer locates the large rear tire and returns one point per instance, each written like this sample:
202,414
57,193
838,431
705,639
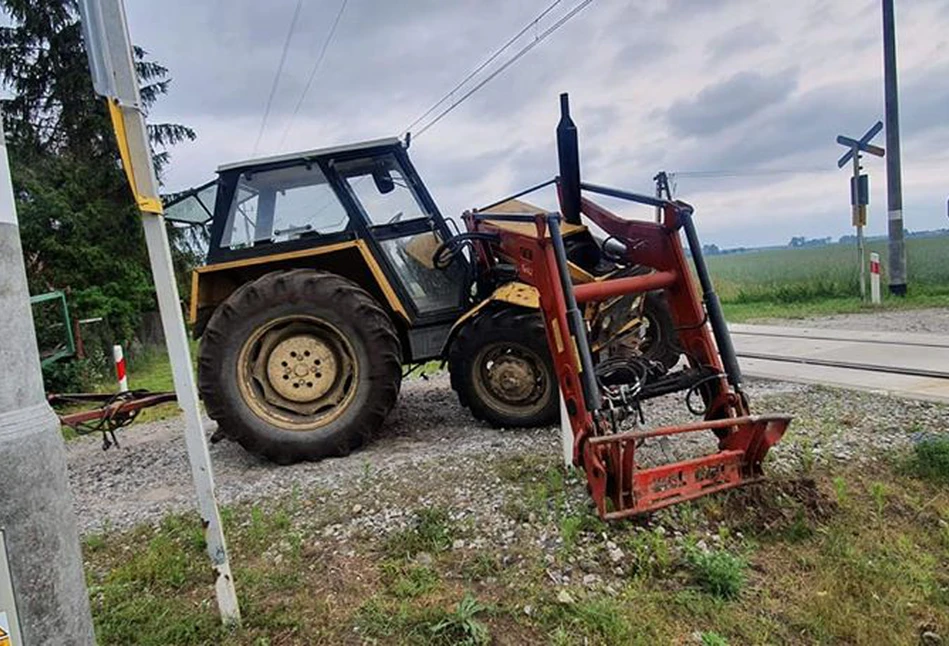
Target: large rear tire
299,365
502,371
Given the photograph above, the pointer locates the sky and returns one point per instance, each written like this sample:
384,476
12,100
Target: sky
754,90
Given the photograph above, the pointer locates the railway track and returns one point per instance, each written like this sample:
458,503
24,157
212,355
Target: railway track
903,364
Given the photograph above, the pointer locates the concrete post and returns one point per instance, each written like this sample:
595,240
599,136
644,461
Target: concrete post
894,174
36,512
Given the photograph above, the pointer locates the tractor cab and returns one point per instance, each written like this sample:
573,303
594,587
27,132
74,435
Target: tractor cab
359,210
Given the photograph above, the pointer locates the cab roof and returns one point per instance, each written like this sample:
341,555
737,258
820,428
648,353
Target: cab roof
310,154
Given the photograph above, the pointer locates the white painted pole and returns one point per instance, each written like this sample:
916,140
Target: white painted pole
875,278
105,29
120,371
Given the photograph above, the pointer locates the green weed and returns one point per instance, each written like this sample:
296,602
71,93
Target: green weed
718,572
408,581
431,532
462,626
840,490
711,638
930,460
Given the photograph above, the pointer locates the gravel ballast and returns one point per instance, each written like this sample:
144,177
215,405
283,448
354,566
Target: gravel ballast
431,448
922,321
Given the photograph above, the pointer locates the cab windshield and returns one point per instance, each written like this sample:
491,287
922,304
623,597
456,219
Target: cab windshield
382,189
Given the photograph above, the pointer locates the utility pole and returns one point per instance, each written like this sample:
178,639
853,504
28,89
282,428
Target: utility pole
894,181
43,598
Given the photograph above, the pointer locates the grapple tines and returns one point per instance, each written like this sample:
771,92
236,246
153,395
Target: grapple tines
626,490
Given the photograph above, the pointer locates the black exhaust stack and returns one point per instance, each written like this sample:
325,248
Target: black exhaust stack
568,152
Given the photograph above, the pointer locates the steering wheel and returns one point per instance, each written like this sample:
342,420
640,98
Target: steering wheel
395,218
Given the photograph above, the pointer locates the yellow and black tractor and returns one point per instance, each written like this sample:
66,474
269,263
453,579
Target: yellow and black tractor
322,281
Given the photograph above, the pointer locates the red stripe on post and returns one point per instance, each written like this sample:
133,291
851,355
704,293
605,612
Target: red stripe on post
120,369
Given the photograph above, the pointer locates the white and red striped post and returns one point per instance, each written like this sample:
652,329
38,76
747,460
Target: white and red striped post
120,370
875,278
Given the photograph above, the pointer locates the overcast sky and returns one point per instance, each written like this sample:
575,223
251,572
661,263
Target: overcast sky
680,85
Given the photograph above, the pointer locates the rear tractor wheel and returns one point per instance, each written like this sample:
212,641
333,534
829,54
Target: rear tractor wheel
299,365
502,371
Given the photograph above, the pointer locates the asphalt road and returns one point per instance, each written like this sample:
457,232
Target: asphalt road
914,366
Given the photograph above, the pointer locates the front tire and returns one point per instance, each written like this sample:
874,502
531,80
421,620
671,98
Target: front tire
502,371
299,365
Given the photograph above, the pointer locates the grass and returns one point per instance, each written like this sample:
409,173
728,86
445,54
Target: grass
822,280
835,558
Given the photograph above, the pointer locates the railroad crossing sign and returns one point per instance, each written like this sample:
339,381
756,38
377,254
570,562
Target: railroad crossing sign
860,189
863,144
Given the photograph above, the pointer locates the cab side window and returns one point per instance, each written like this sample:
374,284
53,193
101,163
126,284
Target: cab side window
281,205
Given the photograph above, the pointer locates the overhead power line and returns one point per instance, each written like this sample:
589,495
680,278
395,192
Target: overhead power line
316,67
276,78
747,172
483,65
539,38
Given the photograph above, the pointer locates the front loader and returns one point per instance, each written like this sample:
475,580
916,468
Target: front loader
640,260
329,271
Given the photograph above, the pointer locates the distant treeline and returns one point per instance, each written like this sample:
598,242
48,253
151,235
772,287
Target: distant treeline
802,242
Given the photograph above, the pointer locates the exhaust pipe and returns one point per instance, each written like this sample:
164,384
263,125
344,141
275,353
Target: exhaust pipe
568,152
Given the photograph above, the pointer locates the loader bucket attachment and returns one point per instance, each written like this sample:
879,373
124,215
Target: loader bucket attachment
627,490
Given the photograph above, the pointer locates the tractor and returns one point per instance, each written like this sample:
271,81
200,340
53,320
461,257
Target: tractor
330,271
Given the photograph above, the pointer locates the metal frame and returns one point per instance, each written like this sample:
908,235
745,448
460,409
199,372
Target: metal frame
618,486
70,349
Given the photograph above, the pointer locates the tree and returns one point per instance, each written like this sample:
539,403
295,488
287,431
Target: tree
80,227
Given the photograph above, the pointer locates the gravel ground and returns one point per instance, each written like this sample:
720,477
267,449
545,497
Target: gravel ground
925,321
432,450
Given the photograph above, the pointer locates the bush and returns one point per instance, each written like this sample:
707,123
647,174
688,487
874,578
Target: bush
72,376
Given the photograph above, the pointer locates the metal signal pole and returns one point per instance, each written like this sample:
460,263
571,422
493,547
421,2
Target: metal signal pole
43,598
894,181
105,32
859,220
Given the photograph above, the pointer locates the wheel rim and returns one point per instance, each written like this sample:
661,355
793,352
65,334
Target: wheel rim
297,372
511,378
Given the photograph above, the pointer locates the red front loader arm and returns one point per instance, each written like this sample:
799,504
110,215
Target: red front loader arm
619,487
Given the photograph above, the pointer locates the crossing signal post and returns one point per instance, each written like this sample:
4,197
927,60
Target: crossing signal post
860,190
107,42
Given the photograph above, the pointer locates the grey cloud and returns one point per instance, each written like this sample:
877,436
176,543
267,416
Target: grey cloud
729,102
688,8
807,125
642,51
392,59
743,38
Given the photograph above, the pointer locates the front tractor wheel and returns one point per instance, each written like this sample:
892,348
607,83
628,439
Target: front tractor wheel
299,365
501,368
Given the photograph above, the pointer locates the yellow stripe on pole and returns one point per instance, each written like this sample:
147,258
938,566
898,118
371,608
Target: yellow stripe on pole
145,203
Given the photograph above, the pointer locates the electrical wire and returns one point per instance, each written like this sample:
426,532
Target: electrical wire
746,172
276,78
483,65
316,67
521,52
